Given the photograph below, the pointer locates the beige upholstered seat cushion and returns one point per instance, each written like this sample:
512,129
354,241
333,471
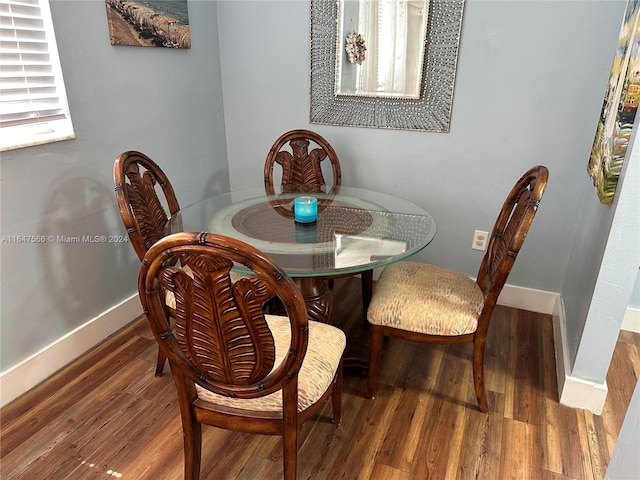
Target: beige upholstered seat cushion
424,298
320,364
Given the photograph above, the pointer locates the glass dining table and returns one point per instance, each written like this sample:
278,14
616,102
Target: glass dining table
356,231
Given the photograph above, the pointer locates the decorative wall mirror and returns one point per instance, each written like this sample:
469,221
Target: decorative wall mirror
384,63
380,49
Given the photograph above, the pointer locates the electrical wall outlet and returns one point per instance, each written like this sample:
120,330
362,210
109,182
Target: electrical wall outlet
479,240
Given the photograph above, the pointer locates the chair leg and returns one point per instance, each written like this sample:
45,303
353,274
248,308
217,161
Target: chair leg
290,430
478,374
375,348
336,396
192,449
160,364
366,283
290,453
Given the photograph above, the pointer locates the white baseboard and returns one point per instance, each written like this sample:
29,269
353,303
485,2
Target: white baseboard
631,320
573,392
27,374
539,301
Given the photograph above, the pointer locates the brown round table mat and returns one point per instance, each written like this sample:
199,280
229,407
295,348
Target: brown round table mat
273,222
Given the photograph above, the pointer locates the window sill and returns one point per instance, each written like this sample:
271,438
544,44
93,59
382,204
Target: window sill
12,138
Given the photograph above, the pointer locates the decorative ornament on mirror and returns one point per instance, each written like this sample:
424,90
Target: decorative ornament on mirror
355,47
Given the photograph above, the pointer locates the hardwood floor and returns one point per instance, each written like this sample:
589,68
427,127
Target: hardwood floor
107,416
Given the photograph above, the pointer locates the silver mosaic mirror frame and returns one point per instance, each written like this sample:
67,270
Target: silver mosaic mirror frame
431,112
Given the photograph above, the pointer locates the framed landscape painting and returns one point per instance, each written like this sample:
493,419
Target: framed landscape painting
619,108
149,23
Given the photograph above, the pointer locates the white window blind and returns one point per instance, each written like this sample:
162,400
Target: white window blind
33,103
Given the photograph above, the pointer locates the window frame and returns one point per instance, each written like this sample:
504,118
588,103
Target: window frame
46,131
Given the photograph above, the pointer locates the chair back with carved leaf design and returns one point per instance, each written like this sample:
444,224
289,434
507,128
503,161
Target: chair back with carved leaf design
508,234
301,166
234,366
138,180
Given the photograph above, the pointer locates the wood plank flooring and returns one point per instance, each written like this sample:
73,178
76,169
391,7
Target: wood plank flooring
107,416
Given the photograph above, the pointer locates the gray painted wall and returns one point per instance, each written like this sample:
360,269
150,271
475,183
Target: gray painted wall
635,295
592,333
166,103
530,84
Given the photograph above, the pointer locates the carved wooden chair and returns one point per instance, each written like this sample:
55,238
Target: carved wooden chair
301,167
234,366
138,180
430,304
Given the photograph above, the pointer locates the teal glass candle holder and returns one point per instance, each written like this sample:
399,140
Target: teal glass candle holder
305,209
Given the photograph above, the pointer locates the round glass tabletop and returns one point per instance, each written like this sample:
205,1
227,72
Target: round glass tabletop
355,230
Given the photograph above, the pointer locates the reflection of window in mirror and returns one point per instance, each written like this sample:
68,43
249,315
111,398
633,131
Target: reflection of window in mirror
394,33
